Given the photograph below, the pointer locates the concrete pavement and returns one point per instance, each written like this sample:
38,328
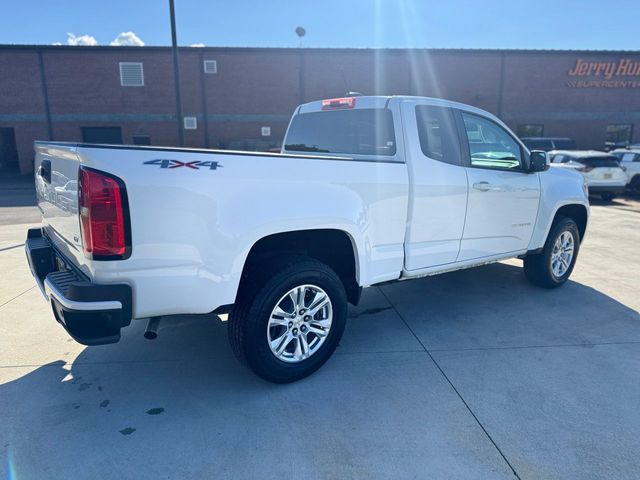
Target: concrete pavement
472,374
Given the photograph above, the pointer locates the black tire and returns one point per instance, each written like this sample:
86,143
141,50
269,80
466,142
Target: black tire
635,185
537,267
259,295
607,197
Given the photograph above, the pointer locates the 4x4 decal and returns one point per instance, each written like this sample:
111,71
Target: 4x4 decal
196,165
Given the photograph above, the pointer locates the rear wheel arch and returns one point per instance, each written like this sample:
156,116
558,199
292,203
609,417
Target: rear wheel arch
334,247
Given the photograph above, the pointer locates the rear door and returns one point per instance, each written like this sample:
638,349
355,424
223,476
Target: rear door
438,187
503,198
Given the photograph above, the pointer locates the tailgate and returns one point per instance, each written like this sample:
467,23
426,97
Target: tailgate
56,178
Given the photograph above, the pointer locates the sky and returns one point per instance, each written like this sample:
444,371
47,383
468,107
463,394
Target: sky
539,24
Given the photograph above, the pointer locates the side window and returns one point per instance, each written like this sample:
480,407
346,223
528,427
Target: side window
490,146
628,157
559,158
437,133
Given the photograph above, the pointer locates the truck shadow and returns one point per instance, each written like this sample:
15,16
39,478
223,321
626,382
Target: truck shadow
152,402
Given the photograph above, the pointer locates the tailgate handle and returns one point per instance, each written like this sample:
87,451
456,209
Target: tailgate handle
45,170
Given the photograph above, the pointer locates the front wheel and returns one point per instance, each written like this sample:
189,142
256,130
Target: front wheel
552,267
289,319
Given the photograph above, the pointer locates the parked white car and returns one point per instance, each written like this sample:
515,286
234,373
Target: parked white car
630,162
366,190
601,170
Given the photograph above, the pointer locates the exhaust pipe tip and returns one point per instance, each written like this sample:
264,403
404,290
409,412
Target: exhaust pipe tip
151,332
150,335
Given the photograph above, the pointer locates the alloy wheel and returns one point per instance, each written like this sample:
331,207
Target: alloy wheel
300,323
562,254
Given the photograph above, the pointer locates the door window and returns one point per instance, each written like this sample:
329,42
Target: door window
437,133
490,146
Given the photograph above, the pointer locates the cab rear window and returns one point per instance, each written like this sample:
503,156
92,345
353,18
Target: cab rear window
363,131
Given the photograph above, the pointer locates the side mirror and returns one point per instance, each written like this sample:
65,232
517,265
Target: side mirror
538,161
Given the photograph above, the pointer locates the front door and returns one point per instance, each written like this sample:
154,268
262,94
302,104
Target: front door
8,150
438,198
503,197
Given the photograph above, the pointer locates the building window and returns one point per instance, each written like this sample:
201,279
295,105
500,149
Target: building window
210,66
109,135
141,140
531,130
619,134
266,131
131,74
190,123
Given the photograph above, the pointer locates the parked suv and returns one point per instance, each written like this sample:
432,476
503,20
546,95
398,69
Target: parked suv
549,143
601,170
630,162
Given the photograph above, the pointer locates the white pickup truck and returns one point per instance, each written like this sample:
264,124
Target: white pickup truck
366,190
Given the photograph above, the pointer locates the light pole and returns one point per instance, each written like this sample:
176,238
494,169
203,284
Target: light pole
301,32
176,73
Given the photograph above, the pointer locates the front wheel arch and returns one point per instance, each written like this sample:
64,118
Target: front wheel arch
577,213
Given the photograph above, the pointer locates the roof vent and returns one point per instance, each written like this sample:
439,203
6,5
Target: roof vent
131,74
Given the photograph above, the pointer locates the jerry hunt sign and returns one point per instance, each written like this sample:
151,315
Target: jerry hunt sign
624,73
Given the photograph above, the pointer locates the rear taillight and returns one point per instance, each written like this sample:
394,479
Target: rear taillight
336,103
104,219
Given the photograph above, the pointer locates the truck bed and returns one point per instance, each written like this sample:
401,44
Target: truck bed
195,214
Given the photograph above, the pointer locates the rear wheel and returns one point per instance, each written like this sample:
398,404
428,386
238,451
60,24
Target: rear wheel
552,267
289,319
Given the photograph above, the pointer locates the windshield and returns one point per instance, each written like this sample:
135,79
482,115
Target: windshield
364,131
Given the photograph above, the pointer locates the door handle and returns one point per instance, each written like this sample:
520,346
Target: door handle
484,186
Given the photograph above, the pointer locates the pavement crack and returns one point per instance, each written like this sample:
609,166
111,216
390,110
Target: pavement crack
19,295
370,311
524,347
11,247
467,406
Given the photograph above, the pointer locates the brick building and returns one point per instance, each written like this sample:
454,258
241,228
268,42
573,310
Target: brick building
242,98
